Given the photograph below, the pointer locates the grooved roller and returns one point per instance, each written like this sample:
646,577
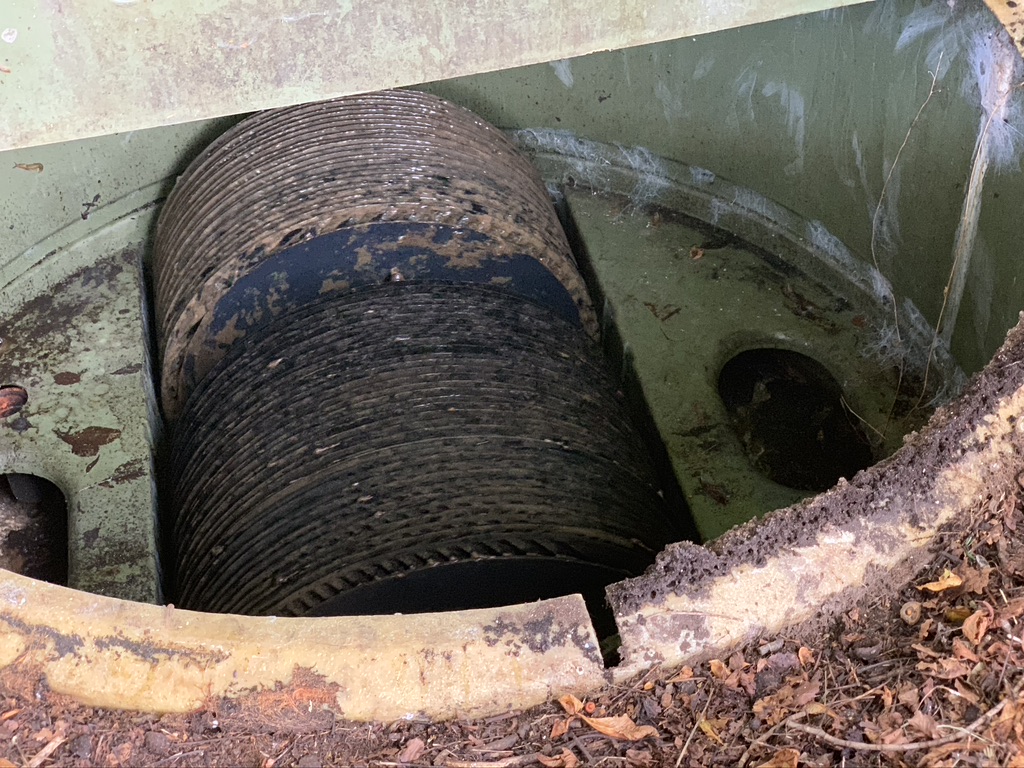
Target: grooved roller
458,197
409,444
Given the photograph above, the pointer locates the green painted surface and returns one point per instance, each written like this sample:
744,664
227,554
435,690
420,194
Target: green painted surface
693,270
79,349
92,67
811,113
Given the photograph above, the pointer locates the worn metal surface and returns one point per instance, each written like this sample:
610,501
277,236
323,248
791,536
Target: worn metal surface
694,270
111,653
78,348
71,70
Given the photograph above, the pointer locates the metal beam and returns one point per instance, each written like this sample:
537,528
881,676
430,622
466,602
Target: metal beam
95,67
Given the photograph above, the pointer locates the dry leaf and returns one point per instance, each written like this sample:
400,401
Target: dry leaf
414,749
923,651
975,627
718,670
639,758
806,656
620,727
565,760
924,724
909,696
710,732
962,652
684,674
975,579
1011,610
784,758
805,693
560,728
925,630
948,580
570,704
944,669
969,695
958,614
887,697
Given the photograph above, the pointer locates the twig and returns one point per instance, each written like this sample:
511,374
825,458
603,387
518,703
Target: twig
874,230
508,762
45,752
762,740
696,725
912,746
583,750
174,758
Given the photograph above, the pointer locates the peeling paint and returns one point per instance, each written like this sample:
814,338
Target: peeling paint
563,71
88,441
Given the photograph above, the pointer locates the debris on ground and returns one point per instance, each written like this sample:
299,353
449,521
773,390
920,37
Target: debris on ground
931,675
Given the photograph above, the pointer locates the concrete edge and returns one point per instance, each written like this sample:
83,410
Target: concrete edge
114,653
818,558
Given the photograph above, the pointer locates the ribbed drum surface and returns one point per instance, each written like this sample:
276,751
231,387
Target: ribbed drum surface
408,430
287,176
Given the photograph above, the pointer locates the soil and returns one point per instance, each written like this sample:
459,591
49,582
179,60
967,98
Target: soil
930,674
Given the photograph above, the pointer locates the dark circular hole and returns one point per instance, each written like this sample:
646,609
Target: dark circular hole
788,412
33,528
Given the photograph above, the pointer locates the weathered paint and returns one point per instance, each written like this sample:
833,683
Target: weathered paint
112,653
71,70
78,349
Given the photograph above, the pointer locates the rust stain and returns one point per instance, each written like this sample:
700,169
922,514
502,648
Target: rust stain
127,472
65,378
87,442
308,702
664,313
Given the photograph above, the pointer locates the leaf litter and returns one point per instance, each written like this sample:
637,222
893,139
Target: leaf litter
938,684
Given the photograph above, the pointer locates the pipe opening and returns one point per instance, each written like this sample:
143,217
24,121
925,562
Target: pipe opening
33,528
788,412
